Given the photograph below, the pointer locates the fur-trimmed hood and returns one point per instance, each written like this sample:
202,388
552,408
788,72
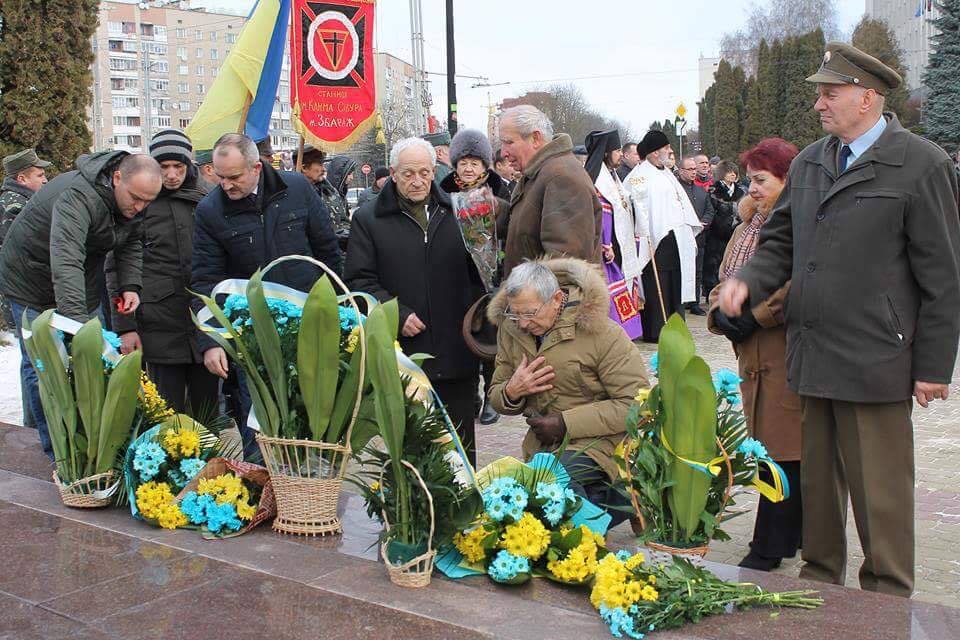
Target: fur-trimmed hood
588,303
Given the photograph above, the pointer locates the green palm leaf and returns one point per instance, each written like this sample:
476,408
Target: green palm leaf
119,408
269,340
90,383
318,358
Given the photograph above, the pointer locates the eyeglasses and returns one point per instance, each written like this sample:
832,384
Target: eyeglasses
517,317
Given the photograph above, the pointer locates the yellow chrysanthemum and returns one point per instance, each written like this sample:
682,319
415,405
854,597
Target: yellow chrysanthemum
170,517
155,501
154,406
649,593
581,561
642,394
634,561
527,538
225,488
375,487
469,544
614,585
245,510
353,340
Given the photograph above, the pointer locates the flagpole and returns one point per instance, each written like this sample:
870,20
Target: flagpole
300,155
243,114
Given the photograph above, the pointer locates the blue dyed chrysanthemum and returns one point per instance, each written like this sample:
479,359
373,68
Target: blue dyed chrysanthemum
506,566
655,363
620,622
111,338
147,459
727,384
754,448
190,467
220,516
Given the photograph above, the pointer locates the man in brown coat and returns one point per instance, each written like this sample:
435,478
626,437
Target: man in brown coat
868,229
554,208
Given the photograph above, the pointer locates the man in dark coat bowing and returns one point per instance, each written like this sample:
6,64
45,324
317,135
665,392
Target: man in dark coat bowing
406,245
867,231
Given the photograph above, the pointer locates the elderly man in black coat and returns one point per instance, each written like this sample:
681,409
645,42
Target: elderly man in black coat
255,215
407,245
703,205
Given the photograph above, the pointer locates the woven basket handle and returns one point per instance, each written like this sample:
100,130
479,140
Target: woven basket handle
362,342
423,484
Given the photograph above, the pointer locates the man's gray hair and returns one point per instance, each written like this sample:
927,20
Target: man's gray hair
246,146
527,119
531,275
411,143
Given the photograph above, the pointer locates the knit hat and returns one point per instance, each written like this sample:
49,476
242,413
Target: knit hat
171,144
471,143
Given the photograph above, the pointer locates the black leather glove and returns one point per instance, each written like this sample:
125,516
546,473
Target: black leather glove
549,429
736,330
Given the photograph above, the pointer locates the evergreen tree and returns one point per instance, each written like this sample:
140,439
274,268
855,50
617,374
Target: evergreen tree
801,57
877,39
770,89
753,120
942,107
45,87
727,110
708,141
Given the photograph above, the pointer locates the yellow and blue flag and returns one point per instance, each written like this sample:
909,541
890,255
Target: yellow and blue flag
249,76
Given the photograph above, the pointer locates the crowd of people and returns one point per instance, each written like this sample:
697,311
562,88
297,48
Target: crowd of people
833,272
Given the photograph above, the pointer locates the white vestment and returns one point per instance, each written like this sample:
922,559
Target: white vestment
613,190
660,206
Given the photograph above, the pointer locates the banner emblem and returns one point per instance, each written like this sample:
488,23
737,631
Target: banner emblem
332,45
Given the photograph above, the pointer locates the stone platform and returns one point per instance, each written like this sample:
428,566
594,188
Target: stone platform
85,574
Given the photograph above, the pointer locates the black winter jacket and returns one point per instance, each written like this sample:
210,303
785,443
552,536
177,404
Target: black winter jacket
167,332
429,273
234,238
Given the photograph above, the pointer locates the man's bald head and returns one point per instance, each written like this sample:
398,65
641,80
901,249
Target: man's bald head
136,183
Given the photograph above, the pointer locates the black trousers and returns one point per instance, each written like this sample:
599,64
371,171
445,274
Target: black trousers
187,388
779,527
652,315
459,396
588,480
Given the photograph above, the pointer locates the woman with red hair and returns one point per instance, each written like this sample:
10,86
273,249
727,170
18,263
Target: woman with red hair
759,341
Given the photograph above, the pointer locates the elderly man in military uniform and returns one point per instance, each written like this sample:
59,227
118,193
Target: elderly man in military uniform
23,175
867,228
441,144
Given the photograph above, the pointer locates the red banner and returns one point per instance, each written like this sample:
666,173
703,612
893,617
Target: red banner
332,78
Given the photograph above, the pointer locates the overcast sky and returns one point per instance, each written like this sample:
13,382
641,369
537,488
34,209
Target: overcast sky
651,47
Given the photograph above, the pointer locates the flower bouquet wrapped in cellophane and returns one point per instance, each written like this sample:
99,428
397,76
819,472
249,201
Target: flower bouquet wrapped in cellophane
89,394
476,214
161,461
687,449
532,524
636,597
228,498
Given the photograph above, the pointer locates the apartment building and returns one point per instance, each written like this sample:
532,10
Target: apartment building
910,21
154,65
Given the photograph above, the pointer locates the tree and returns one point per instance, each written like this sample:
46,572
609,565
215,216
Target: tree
801,58
727,110
45,93
708,139
777,20
877,39
770,87
571,113
941,113
753,121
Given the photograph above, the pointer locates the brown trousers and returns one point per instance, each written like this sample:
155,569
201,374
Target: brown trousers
864,451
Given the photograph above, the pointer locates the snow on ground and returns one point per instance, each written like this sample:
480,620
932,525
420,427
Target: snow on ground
10,407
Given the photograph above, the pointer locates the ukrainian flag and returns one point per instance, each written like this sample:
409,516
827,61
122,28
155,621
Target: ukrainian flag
249,76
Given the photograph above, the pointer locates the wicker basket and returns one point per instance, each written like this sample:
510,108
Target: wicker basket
307,477
690,553
88,493
415,572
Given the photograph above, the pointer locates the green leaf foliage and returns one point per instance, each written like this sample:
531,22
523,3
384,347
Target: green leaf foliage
119,408
268,339
89,379
318,357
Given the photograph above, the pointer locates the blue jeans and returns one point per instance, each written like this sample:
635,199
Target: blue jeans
588,480
28,378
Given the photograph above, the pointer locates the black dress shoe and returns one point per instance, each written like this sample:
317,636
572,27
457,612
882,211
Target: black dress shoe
696,310
758,563
489,415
